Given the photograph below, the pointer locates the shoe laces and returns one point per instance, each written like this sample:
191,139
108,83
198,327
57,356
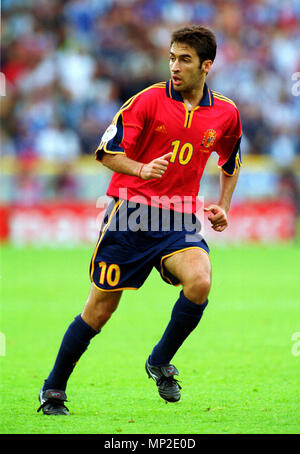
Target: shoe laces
168,382
55,402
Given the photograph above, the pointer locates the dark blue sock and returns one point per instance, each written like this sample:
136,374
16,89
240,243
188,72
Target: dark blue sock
184,318
74,344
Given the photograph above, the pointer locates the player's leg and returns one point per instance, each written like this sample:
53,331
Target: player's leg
98,309
192,269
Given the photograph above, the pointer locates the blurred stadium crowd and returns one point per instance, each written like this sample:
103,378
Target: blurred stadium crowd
70,64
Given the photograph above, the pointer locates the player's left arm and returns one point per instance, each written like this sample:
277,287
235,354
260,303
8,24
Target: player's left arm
229,162
219,212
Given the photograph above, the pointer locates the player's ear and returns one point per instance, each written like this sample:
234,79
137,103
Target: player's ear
206,65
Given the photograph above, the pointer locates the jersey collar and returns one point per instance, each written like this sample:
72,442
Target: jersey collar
207,99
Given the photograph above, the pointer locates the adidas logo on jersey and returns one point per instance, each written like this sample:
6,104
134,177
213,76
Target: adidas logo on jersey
161,128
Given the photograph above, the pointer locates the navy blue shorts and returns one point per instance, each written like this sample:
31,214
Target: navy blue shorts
135,238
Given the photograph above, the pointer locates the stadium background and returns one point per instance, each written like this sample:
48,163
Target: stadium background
70,65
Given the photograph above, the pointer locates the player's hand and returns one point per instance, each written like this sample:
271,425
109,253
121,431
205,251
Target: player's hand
218,217
155,168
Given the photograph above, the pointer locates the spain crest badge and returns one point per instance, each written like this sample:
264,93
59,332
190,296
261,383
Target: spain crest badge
209,139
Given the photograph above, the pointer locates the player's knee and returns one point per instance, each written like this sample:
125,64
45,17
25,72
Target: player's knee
103,312
99,308
100,315
101,318
197,287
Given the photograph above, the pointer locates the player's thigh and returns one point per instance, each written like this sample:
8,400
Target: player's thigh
99,306
190,266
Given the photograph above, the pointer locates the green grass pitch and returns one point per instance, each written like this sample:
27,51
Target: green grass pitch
239,369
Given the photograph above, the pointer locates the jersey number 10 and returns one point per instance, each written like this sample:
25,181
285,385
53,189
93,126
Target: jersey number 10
110,273
182,153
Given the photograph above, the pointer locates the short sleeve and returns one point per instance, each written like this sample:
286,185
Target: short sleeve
229,146
121,136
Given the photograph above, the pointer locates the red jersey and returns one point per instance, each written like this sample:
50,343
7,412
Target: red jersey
157,121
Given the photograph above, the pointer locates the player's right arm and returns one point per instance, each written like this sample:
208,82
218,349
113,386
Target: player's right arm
122,164
120,139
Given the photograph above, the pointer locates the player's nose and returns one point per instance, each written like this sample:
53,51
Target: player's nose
175,66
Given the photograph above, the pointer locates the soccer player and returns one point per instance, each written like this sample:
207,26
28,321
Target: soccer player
157,145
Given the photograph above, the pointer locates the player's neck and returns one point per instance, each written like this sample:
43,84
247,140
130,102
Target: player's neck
193,97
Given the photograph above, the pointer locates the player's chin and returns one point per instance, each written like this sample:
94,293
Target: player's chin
178,85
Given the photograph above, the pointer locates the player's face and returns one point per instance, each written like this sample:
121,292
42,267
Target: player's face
185,67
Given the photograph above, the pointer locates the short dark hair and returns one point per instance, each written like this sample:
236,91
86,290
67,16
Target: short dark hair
202,39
